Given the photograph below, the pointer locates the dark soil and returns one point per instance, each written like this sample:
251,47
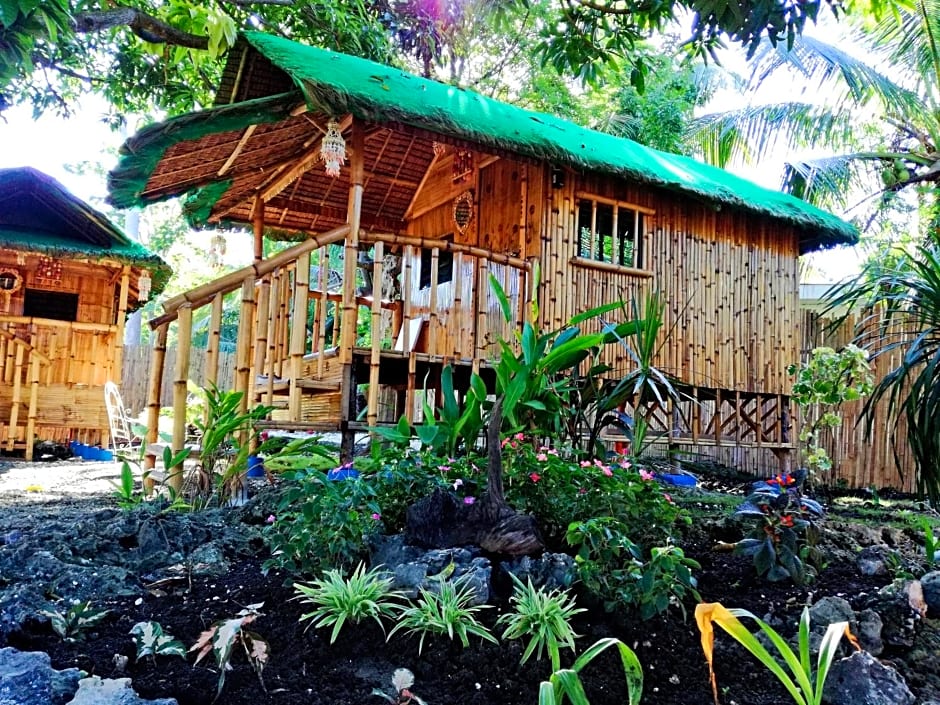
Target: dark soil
305,668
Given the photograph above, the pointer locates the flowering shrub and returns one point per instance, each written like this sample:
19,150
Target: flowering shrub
322,524
784,528
558,489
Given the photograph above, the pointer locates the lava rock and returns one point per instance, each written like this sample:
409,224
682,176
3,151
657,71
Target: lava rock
861,679
550,570
27,678
112,691
869,632
901,607
931,585
876,560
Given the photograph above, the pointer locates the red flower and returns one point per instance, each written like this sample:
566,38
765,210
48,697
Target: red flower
787,520
535,477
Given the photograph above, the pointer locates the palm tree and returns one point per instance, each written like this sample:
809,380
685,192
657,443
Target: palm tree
879,122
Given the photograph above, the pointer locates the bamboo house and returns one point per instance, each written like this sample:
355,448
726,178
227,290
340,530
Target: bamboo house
68,277
405,195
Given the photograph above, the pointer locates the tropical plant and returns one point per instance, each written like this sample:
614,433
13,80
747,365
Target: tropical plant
823,384
321,523
150,640
784,522
803,685
902,299
78,619
447,610
402,680
226,435
566,683
544,618
338,600
931,542
221,638
129,496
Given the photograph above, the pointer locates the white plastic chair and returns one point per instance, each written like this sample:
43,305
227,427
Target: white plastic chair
122,438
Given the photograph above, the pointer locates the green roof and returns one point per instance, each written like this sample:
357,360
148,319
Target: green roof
38,214
337,84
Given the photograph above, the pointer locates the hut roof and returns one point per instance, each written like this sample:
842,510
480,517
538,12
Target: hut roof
38,214
238,148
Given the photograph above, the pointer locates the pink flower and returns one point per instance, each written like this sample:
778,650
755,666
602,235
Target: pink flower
598,463
534,476
607,471
552,451
504,443
668,498
582,491
444,468
457,483
625,464
270,519
541,457
519,436
585,463
645,475
469,500
376,516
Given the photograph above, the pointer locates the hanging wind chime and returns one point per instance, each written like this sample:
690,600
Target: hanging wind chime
143,286
333,149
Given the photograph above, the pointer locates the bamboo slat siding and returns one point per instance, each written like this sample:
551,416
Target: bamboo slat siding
859,461
137,361
729,279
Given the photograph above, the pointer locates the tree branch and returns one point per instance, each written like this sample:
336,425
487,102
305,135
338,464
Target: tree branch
145,26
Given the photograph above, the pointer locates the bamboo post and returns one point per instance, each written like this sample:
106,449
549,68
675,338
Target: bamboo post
282,337
480,327
257,221
211,377
262,324
33,397
350,308
458,318
118,357
372,413
243,344
154,392
184,329
322,304
433,322
408,256
17,396
298,334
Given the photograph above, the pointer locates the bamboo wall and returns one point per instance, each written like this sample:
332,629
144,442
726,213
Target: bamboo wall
884,460
730,281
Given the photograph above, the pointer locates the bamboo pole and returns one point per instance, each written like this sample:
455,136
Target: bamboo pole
433,320
457,328
154,392
17,396
184,329
321,310
298,340
215,336
262,325
257,222
33,399
243,344
408,257
118,357
372,413
424,243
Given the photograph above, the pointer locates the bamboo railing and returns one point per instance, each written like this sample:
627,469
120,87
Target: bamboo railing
50,370
300,348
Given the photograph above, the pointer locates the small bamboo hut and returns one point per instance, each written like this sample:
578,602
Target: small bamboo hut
442,189
68,277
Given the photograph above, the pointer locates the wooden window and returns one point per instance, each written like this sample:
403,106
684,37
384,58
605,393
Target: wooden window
445,267
57,305
611,231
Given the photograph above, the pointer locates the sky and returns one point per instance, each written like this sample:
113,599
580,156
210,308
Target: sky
52,143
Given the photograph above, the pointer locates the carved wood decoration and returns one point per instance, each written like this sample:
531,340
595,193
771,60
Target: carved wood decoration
463,211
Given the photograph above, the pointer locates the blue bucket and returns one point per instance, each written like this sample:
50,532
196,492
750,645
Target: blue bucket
255,466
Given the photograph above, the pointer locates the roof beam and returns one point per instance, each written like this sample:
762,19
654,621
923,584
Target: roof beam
246,135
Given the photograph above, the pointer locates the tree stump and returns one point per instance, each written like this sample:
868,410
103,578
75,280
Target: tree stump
441,520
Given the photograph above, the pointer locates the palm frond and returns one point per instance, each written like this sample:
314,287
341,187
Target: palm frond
752,133
834,72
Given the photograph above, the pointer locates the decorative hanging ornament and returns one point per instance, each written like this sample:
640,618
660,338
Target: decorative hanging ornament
463,165
217,250
143,286
333,149
439,149
49,271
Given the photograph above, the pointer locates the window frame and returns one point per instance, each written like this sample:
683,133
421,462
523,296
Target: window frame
639,256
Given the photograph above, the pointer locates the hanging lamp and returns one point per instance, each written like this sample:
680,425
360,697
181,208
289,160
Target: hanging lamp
333,149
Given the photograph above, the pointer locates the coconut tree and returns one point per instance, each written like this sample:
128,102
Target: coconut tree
878,123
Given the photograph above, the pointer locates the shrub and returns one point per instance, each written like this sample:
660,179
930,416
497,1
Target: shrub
322,524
